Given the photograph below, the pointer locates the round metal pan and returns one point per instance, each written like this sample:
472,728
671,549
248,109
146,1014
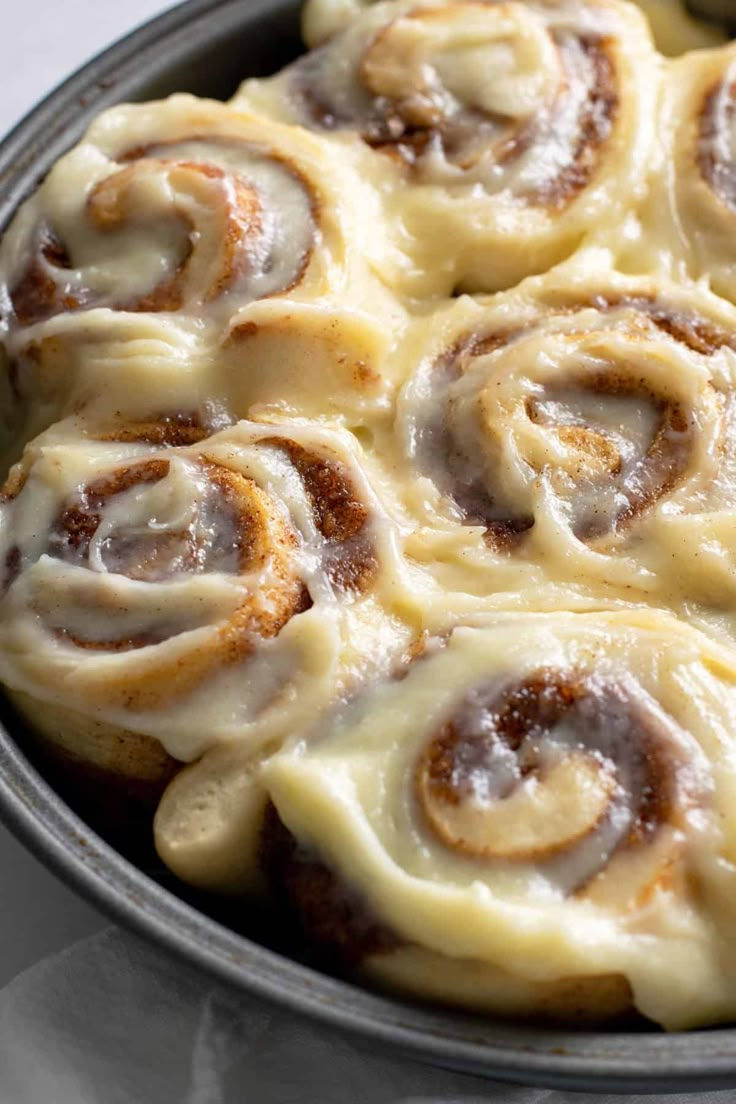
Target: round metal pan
206,47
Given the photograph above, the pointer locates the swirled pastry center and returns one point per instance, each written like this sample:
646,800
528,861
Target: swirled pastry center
490,91
159,522
609,450
164,532
560,770
574,415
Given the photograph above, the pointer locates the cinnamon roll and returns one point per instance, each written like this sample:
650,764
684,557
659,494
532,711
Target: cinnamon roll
577,433
523,823
183,207
690,221
130,273
496,177
411,606
165,591
168,207
674,28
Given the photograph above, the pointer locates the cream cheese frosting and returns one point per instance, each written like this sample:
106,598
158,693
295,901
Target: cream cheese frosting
503,131
542,794
225,580
575,433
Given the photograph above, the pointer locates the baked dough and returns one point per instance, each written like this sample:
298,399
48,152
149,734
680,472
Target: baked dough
572,441
488,180
538,805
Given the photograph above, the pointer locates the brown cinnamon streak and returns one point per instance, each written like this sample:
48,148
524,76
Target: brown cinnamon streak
340,516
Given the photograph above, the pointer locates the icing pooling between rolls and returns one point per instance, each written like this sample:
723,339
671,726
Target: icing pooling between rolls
135,575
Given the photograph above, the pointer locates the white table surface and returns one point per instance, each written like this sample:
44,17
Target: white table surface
41,43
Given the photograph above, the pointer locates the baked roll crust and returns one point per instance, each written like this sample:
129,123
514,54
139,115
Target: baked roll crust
539,796
510,128
575,435
369,527
200,191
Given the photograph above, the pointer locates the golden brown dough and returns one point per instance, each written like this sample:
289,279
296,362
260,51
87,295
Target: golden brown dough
529,815
183,188
113,770
571,442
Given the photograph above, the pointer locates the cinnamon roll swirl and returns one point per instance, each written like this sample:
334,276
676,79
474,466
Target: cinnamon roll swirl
500,175
168,207
578,432
522,823
371,590
183,207
131,271
674,28
692,213
166,587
